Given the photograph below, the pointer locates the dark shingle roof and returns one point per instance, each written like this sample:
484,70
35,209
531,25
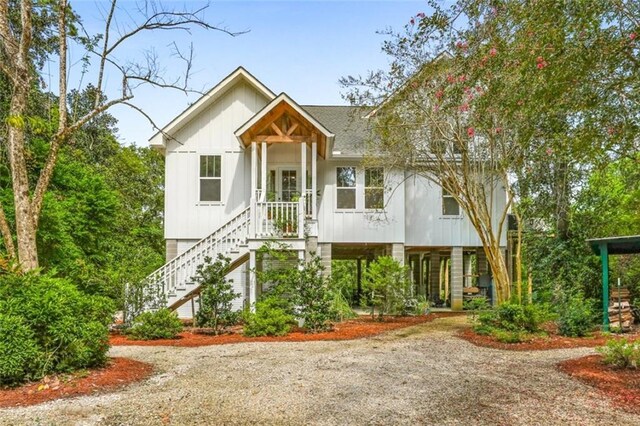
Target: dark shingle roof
348,125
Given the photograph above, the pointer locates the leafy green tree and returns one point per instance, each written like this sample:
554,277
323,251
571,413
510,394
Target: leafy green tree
31,33
216,295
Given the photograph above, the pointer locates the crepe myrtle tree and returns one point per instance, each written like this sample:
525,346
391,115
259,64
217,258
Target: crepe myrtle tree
34,32
487,96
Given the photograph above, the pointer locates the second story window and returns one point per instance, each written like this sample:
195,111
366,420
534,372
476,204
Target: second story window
374,188
346,187
450,206
210,178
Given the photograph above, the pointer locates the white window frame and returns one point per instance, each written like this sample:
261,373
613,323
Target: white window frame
444,194
201,178
364,192
354,188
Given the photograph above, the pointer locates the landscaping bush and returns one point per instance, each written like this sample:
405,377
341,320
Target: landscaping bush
69,328
621,353
576,317
387,287
301,283
20,356
216,295
271,318
161,324
514,317
505,336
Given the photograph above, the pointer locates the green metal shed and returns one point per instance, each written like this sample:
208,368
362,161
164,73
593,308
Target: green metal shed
604,247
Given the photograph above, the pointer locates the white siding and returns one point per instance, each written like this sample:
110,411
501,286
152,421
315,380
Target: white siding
359,225
425,224
211,132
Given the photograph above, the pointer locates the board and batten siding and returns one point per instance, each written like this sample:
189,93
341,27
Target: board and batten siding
209,133
427,226
360,225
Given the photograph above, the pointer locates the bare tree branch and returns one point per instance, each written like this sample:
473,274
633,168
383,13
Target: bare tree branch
103,56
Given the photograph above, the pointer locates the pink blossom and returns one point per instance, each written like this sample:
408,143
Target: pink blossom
462,78
451,79
611,130
464,107
412,21
439,94
421,15
493,51
471,132
436,108
632,36
498,130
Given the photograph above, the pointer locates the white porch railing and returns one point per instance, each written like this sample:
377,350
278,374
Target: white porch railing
280,219
308,203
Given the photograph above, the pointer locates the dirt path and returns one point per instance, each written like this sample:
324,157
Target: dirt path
419,375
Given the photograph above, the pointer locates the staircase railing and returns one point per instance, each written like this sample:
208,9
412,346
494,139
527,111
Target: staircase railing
182,268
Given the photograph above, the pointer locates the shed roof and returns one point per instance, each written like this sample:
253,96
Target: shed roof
628,244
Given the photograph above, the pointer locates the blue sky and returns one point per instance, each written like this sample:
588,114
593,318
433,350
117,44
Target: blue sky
298,47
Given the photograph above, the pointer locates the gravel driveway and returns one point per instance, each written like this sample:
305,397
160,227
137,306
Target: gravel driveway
418,375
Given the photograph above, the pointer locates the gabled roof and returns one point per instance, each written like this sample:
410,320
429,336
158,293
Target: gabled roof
272,111
158,140
349,125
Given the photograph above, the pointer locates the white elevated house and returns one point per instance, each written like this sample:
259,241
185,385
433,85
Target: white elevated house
244,165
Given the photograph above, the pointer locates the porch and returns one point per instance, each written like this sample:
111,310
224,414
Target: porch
284,193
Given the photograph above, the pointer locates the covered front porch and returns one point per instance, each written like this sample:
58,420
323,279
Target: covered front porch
284,190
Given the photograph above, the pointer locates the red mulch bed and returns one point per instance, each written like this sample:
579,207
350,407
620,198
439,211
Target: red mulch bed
552,341
620,385
348,330
118,373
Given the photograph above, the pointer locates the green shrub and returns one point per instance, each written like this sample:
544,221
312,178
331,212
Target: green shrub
576,317
387,286
69,328
422,306
216,296
514,317
621,353
506,336
20,356
161,324
340,309
301,283
271,318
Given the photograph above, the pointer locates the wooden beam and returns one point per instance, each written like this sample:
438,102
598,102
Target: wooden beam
276,129
280,139
292,129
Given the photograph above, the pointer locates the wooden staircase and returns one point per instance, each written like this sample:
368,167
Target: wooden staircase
174,278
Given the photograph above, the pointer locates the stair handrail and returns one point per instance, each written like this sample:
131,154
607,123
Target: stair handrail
235,224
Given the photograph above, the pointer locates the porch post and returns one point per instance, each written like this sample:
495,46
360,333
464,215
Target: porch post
252,280
254,168
263,180
302,205
303,169
314,179
604,256
254,184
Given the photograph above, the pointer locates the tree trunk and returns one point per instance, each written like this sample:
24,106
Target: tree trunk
25,227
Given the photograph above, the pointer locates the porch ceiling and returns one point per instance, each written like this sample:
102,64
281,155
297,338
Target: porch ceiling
284,121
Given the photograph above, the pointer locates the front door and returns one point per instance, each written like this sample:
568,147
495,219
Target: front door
288,185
